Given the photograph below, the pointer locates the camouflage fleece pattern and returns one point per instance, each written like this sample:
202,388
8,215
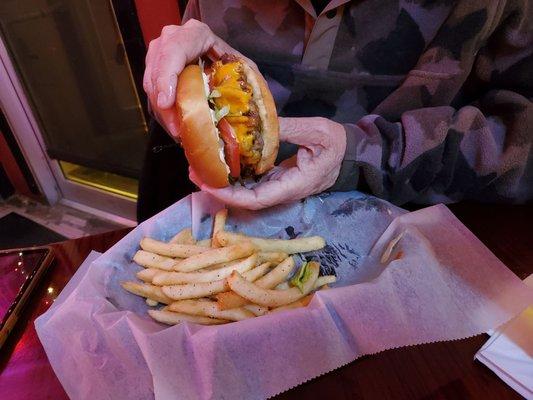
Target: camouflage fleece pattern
435,95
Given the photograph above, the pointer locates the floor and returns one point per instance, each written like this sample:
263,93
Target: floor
67,221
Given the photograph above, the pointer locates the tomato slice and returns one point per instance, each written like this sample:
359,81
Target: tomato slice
231,147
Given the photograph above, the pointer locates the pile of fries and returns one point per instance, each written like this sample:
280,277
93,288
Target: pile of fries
227,278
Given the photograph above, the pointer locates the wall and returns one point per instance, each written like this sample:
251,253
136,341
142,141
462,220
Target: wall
155,14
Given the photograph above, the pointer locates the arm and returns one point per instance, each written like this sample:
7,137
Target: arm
480,151
441,154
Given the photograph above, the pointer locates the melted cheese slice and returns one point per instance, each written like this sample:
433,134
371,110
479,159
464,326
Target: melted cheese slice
226,79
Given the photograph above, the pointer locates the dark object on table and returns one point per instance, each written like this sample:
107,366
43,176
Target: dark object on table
20,272
19,231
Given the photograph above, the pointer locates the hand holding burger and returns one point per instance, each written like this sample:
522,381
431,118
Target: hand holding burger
234,131
166,57
314,169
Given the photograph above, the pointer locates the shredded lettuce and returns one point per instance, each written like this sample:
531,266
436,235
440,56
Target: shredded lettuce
299,279
214,94
221,113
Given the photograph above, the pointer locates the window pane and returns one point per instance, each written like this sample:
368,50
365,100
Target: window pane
72,62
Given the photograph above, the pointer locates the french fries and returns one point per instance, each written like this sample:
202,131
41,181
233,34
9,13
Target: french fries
205,289
325,280
303,302
218,226
227,278
204,243
255,309
183,237
147,275
291,246
273,257
173,318
269,297
171,250
279,274
390,247
177,278
148,291
151,260
214,256
209,308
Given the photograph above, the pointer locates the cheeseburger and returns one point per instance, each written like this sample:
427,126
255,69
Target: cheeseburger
228,121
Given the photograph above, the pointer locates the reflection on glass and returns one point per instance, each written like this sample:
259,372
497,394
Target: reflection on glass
107,181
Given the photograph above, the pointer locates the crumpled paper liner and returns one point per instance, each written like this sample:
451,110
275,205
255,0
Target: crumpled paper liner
442,284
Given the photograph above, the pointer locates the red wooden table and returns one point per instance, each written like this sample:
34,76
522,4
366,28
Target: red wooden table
444,370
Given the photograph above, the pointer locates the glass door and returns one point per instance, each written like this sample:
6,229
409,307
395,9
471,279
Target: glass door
70,60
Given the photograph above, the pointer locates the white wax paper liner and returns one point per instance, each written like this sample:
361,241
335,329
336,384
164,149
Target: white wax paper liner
442,284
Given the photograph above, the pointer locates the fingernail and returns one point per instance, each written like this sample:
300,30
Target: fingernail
161,100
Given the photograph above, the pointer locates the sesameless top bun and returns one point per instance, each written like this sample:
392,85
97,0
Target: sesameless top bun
198,133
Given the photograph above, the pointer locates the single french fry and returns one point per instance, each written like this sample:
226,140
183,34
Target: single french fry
390,247
218,226
172,318
227,300
277,275
151,260
268,297
208,308
204,243
205,289
147,290
171,250
214,256
221,265
151,303
256,309
183,237
303,302
256,273
290,246
164,278
147,275
325,280
274,257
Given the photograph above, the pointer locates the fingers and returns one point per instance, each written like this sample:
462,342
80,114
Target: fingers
177,46
264,195
169,120
147,78
303,131
220,47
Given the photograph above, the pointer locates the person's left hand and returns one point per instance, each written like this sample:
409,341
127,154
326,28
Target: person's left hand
312,170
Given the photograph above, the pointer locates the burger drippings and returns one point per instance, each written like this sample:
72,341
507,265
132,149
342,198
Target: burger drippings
229,80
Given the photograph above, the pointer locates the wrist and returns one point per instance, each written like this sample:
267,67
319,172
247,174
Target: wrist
349,173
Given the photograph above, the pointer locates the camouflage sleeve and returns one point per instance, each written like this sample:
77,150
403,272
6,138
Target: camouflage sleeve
480,150
192,11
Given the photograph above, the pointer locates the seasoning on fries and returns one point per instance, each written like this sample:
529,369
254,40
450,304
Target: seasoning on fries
226,278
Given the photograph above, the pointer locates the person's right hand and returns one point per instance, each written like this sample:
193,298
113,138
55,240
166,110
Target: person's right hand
167,55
